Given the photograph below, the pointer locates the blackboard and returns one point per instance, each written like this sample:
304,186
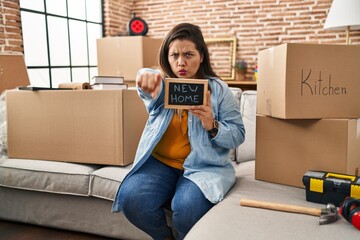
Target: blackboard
183,93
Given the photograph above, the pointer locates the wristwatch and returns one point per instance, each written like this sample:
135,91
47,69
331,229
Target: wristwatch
212,132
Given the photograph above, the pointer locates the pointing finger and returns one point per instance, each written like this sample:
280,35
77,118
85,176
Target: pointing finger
157,82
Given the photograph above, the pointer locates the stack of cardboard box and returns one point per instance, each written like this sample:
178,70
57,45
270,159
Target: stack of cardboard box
98,127
82,126
308,110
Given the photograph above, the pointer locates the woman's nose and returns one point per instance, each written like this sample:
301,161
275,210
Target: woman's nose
181,61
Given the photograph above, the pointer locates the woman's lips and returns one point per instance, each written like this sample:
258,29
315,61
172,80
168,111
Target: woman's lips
182,72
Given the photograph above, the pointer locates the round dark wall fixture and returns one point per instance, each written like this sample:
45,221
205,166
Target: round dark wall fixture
138,26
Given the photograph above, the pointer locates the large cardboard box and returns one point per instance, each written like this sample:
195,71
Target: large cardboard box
286,149
305,81
13,72
125,56
84,126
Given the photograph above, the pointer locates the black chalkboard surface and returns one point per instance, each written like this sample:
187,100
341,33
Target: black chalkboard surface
183,93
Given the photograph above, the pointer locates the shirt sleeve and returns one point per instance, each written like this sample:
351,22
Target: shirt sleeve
231,131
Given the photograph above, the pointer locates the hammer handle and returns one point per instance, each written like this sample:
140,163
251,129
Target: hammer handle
280,207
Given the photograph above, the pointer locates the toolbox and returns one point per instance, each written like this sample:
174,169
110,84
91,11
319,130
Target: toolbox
326,187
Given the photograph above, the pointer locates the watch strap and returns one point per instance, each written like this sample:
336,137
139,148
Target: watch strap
212,132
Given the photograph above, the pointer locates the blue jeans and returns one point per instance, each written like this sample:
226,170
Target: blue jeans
154,186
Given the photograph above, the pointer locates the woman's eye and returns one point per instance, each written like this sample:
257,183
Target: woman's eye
174,55
189,55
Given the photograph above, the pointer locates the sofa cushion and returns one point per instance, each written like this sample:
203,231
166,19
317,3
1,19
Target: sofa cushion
46,176
228,220
237,93
246,151
106,181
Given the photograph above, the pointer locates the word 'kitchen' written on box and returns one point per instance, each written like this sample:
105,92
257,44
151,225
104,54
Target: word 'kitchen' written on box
320,84
184,93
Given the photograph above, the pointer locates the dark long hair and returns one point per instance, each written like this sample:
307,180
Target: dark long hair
186,31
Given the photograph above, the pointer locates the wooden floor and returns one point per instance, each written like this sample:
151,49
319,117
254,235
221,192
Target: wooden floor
20,231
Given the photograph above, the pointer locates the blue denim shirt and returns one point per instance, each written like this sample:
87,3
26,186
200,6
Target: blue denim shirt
208,164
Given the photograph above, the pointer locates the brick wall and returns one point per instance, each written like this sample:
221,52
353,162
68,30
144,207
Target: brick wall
10,33
116,14
256,24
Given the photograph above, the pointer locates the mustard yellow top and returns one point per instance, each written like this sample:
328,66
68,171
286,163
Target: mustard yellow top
174,145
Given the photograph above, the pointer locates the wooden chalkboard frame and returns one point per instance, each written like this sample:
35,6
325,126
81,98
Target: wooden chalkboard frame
184,80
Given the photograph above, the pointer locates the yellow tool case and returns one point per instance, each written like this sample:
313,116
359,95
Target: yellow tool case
325,187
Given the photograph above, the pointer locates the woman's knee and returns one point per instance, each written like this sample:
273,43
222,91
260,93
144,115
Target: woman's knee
188,206
130,199
137,195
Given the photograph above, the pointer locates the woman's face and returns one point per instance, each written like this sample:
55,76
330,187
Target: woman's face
184,58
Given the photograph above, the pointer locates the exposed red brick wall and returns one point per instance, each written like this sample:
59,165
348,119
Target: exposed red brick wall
10,27
256,24
117,14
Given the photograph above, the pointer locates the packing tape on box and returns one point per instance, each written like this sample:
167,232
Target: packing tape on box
358,129
75,86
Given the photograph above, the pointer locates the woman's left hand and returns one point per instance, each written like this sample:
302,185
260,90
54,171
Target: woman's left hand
204,113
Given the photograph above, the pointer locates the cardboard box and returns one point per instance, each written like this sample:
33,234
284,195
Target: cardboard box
287,149
125,56
13,72
83,126
305,81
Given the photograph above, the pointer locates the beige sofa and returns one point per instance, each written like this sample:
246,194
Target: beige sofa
79,197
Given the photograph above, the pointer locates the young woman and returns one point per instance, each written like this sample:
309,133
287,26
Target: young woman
182,161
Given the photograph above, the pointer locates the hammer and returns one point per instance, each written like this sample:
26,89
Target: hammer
327,215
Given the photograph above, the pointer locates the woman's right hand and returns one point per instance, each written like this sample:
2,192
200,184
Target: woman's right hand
149,82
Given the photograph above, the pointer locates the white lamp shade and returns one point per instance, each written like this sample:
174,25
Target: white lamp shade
343,14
